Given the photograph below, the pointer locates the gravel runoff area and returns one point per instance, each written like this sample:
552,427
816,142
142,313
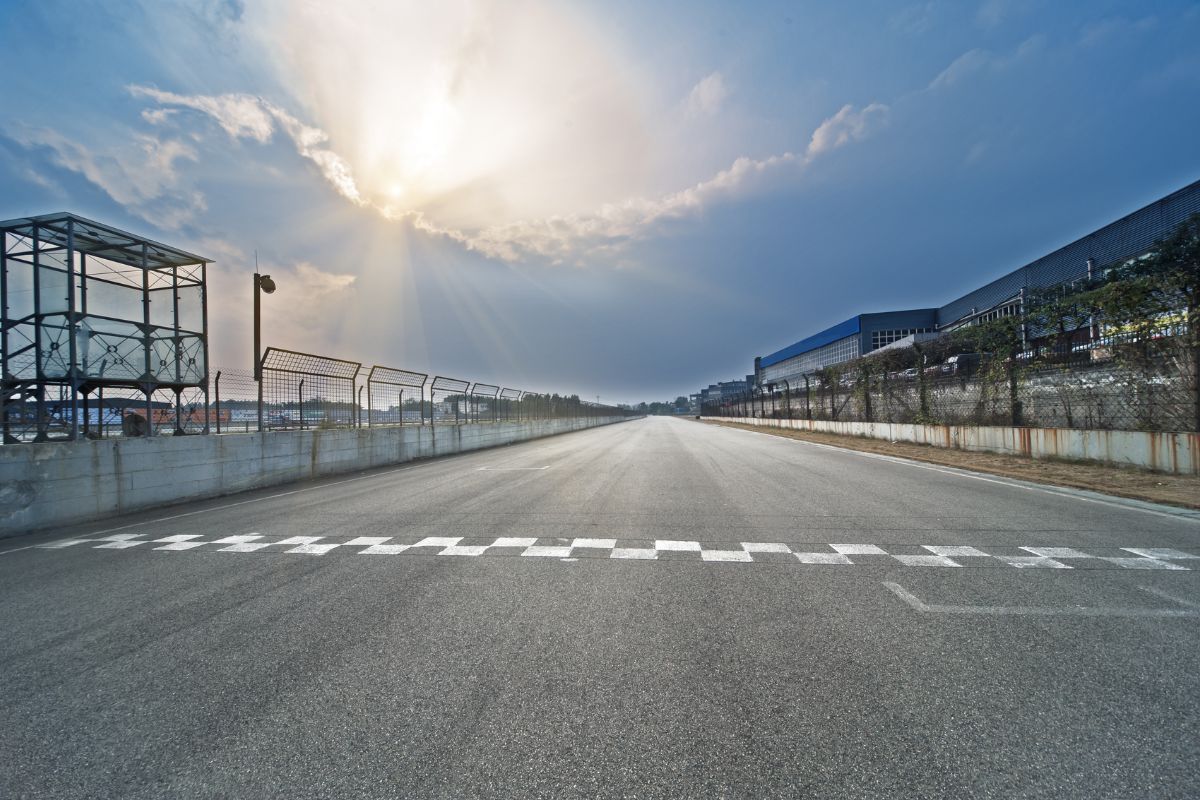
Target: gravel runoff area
1137,484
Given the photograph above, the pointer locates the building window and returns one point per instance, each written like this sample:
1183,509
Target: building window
883,338
838,352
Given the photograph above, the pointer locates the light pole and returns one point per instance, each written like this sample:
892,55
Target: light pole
262,283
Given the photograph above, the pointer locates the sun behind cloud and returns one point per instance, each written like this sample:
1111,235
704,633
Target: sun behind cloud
478,114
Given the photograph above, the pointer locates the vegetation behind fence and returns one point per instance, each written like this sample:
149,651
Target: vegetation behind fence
1118,351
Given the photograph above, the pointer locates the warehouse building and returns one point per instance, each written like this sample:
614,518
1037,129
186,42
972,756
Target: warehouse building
1129,237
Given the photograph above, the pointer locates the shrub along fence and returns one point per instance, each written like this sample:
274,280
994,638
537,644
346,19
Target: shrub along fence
1117,350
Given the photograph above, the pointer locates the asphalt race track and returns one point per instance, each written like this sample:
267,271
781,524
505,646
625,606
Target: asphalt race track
658,608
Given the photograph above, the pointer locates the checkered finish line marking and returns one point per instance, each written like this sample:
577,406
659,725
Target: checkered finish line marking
930,555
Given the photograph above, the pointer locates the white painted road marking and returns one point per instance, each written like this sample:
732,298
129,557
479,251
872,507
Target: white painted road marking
955,551
859,549
688,550
1056,552
548,552
511,469
465,550
823,558
240,539
725,555
917,604
774,547
926,561
314,549
1060,491
439,541
607,544
1143,563
244,547
384,549
1158,552
671,544
1032,561
643,553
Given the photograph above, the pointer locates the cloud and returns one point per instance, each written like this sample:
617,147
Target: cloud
915,19
557,238
240,115
847,125
707,96
565,238
992,13
310,302
140,175
977,61
244,116
976,152
158,116
968,63
1101,32
318,282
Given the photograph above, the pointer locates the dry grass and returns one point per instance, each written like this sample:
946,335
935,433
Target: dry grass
1138,484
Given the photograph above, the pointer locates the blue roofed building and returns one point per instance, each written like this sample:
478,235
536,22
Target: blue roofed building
1129,237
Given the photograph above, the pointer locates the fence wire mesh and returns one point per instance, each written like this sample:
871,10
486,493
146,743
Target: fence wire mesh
509,406
395,396
1092,389
482,402
448,400
302,390
305,391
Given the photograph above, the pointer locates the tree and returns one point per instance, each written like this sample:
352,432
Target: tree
1156,299
1001,342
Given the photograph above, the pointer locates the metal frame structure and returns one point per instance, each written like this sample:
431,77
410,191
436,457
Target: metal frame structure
487,391
86,307
441,383
335,377
401,378
509,396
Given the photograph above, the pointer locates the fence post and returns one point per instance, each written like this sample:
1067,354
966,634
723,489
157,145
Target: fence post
300,394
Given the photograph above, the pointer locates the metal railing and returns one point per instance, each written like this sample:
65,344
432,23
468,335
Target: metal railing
1088,389
301,391
395,396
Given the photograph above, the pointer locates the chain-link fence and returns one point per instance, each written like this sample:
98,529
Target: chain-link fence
395,396
302,390
299,391
482,402
509,405
1117,348
1092,389
448,400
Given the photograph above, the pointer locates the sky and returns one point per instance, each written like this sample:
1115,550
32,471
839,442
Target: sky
619,199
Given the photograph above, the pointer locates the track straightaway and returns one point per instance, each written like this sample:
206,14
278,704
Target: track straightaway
654,609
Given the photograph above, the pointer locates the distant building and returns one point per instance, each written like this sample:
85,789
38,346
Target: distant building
1115,243
723,390
845,341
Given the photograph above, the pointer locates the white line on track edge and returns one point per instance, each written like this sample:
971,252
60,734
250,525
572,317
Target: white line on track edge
1060,491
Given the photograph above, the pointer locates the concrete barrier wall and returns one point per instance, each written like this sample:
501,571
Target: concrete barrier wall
1177,453
59,483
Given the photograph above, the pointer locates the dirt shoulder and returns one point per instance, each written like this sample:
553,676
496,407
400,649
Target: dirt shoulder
1138,484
